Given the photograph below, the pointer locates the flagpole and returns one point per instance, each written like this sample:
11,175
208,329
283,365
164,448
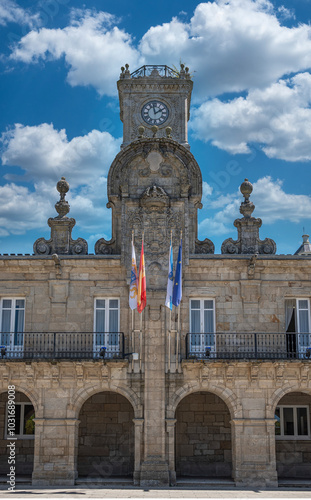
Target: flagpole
170,326
178,322
141,328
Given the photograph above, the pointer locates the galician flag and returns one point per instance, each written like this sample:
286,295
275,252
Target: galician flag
142,295
170,280
177,290
134,281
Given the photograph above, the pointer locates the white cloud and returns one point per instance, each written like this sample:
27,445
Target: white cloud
271,202
231,45
277,119
93,48
10,12
45,153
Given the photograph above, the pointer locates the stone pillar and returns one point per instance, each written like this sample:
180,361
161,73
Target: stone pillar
253,450
138,440
154,469
170,429
55,456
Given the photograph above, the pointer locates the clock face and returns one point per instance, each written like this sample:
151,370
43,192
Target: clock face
154,113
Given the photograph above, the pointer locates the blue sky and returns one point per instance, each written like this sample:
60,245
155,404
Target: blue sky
250,114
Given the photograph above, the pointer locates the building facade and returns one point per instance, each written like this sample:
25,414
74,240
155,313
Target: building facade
219,387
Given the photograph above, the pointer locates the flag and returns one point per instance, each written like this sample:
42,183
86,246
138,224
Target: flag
170,280
177,290
142,296
134,281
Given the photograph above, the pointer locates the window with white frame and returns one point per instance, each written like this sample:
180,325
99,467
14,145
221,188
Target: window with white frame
202,323
297,321
106,322
21,425
292,422
12,319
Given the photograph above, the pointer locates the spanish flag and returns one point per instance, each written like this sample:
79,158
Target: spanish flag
142,296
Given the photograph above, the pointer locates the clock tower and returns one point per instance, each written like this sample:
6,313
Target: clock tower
155,96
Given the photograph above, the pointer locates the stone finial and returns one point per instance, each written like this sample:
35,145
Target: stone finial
61,226
168,131
248,241
154,130
127,73
141,130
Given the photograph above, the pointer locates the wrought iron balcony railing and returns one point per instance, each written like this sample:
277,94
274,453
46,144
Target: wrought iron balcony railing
248,346
62,345
163,70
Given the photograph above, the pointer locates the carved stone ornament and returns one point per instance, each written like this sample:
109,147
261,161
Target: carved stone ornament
204,247
105,247
248,241
61,226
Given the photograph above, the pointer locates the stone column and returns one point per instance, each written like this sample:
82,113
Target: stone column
253,449
138,437
154,469
170,429
55,455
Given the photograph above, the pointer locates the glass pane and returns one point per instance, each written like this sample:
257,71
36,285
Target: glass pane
208,304
303,321
113,303
208,321
196,340
6,327
288,416
7,304
195,304
195,321
302,421
100,303
100,327
29,415
19,327
17,422
113,320
277,422
20,304
303,304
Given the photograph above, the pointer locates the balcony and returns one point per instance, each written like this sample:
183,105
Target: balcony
62,345
247,346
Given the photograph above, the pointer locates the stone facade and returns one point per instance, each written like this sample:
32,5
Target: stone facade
164,399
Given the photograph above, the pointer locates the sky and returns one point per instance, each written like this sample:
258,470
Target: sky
250,112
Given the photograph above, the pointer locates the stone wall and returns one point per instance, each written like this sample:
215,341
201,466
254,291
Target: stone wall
24,447
203,436
293,457
106,436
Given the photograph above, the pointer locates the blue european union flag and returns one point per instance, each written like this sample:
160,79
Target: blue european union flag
177,290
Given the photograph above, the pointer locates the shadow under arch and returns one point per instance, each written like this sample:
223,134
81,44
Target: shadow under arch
203,435
105,437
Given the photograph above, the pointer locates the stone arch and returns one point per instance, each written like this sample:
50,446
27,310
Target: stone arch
85,393
224,393
279,393
292,435
105,436
27,408
203,436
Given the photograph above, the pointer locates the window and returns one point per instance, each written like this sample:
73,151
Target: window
297,321
106,322
292,422
12,323
202,324
22,425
